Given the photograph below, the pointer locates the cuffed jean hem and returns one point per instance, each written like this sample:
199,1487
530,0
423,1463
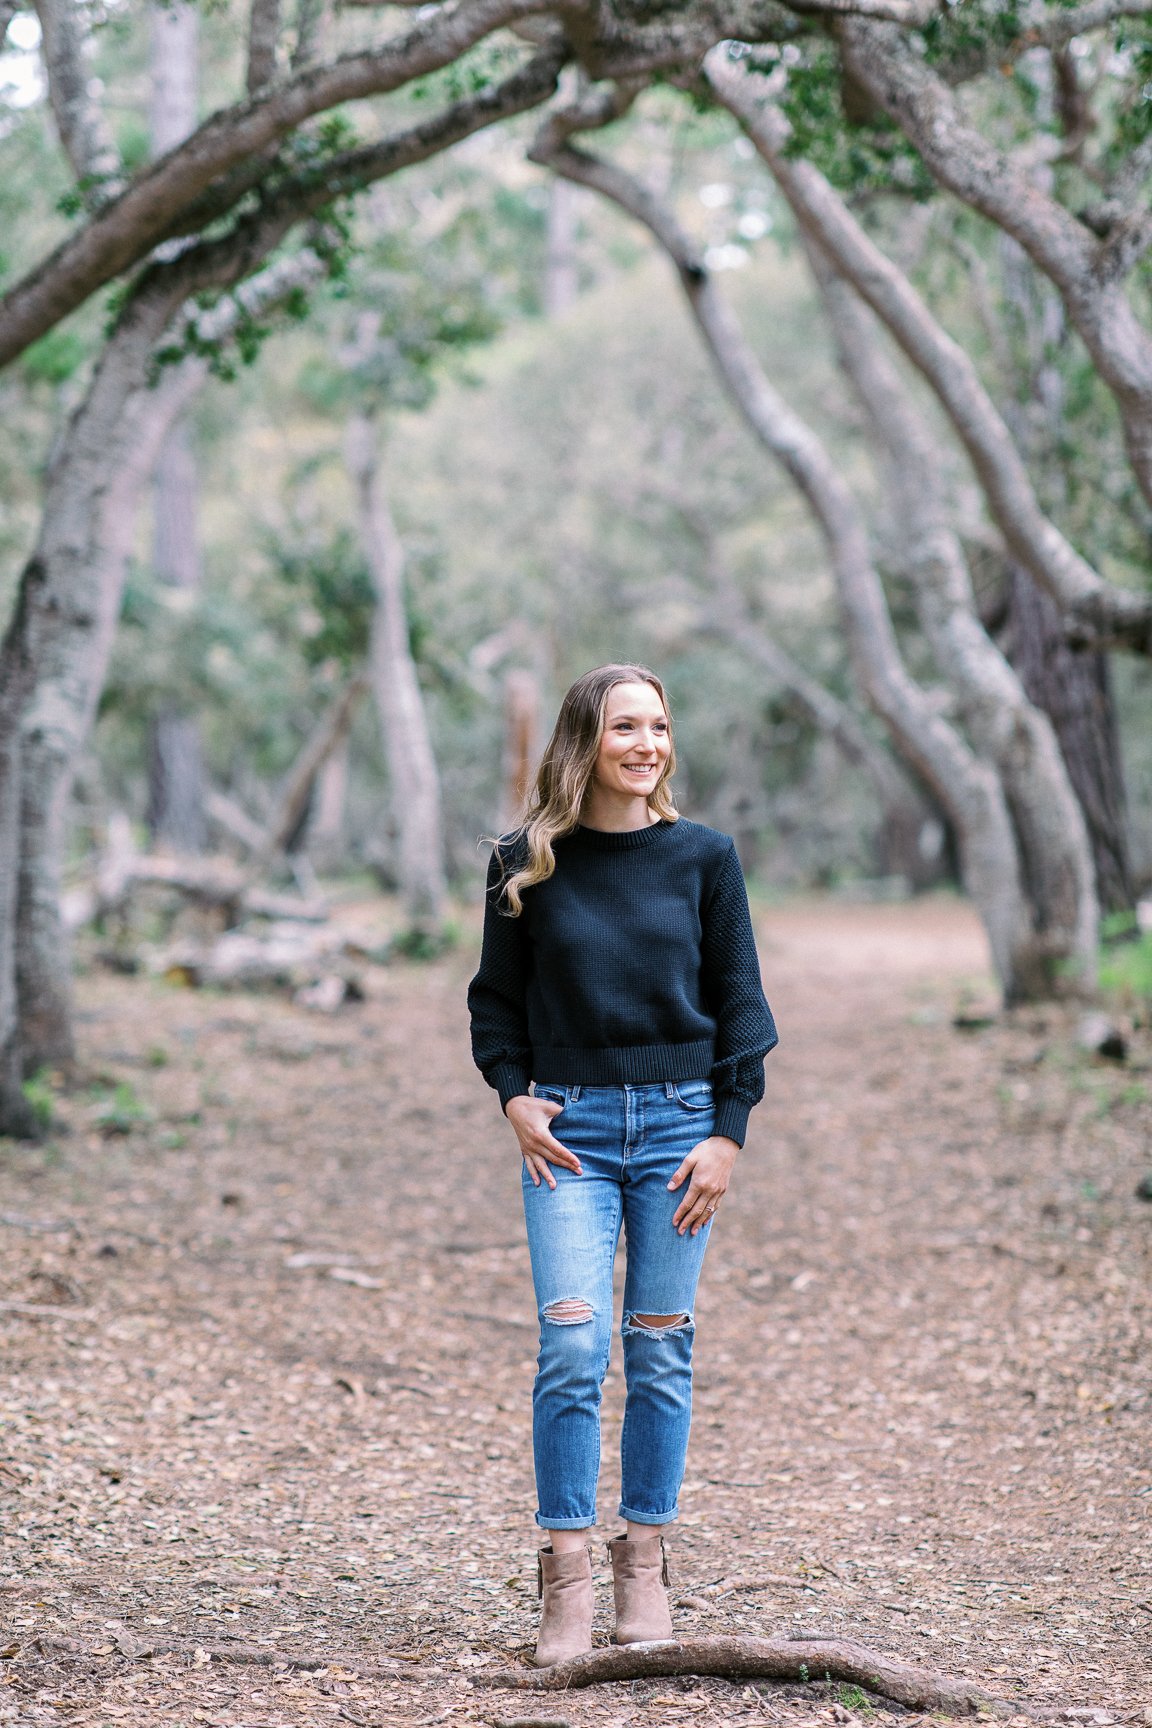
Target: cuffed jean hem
565,1523
648,1517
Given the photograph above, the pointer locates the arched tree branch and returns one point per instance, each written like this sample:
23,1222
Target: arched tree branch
1095,608
126,228
1087,273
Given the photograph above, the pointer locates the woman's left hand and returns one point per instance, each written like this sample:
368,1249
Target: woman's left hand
710,1167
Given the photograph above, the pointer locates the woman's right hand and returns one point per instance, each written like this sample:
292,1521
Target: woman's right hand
530,1118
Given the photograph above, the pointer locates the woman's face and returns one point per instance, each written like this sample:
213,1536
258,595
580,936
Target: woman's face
635,743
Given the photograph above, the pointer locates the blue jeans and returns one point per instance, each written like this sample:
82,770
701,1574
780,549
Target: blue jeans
630,1140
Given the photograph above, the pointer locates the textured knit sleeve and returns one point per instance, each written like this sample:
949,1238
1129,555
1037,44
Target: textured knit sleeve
745,1029
501,1047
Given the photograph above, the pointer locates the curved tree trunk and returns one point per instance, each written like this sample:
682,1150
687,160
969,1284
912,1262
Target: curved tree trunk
412,768
1007,730
69,602
968,789
1089,273
1095,608
74,585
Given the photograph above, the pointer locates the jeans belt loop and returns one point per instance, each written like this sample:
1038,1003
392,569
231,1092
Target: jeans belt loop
669,1089
574,1093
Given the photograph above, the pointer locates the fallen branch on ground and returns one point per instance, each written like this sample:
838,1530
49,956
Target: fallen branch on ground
790,1659
243,1655
210,882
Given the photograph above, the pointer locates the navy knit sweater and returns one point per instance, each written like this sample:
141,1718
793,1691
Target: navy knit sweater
634,962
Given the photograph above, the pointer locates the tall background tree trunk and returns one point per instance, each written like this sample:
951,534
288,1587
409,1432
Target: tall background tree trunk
521,744
175,757
1073,687
68,605
327,839
72,588
16,652
414,776
1007,730
561,274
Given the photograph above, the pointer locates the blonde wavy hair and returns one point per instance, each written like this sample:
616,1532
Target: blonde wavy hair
565,773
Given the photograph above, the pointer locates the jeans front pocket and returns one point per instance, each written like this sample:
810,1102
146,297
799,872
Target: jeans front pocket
553,1094
694,1094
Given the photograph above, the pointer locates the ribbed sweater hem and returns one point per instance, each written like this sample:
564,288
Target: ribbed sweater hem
623,1064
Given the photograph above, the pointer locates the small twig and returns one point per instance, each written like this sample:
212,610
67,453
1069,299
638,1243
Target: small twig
824,1565
47,1311
37,1226
766,1581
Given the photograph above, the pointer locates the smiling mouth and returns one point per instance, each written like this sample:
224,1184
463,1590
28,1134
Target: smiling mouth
639,767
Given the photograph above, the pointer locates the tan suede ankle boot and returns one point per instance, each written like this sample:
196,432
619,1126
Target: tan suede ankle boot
565,1585
639,1574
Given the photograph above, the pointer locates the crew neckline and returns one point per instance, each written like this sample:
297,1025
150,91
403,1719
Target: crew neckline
621,840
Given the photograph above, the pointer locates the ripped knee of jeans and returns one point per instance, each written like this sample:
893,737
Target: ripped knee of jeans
569,1311
657,1325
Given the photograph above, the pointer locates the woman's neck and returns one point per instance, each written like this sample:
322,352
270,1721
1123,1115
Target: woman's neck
611,814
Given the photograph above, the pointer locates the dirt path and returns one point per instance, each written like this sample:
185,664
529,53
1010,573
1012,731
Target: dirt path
284,1400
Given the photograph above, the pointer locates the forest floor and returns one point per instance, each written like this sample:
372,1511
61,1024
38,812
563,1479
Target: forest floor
273,1395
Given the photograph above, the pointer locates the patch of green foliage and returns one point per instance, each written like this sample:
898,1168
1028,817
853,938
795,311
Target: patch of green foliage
55,358
1126,969
121,1111
418,943
469,75
335,580
957,33
858,155
854,1698
38,1095
1134,119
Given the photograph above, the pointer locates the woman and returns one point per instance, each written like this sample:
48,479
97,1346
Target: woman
619,1015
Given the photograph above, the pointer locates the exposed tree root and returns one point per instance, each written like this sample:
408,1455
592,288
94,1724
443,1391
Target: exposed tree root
800,1659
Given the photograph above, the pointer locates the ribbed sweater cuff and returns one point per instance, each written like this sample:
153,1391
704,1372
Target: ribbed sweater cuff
731,1118
509,1081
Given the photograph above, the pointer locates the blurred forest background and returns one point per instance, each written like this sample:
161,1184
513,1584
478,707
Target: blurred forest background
316,493
368,371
